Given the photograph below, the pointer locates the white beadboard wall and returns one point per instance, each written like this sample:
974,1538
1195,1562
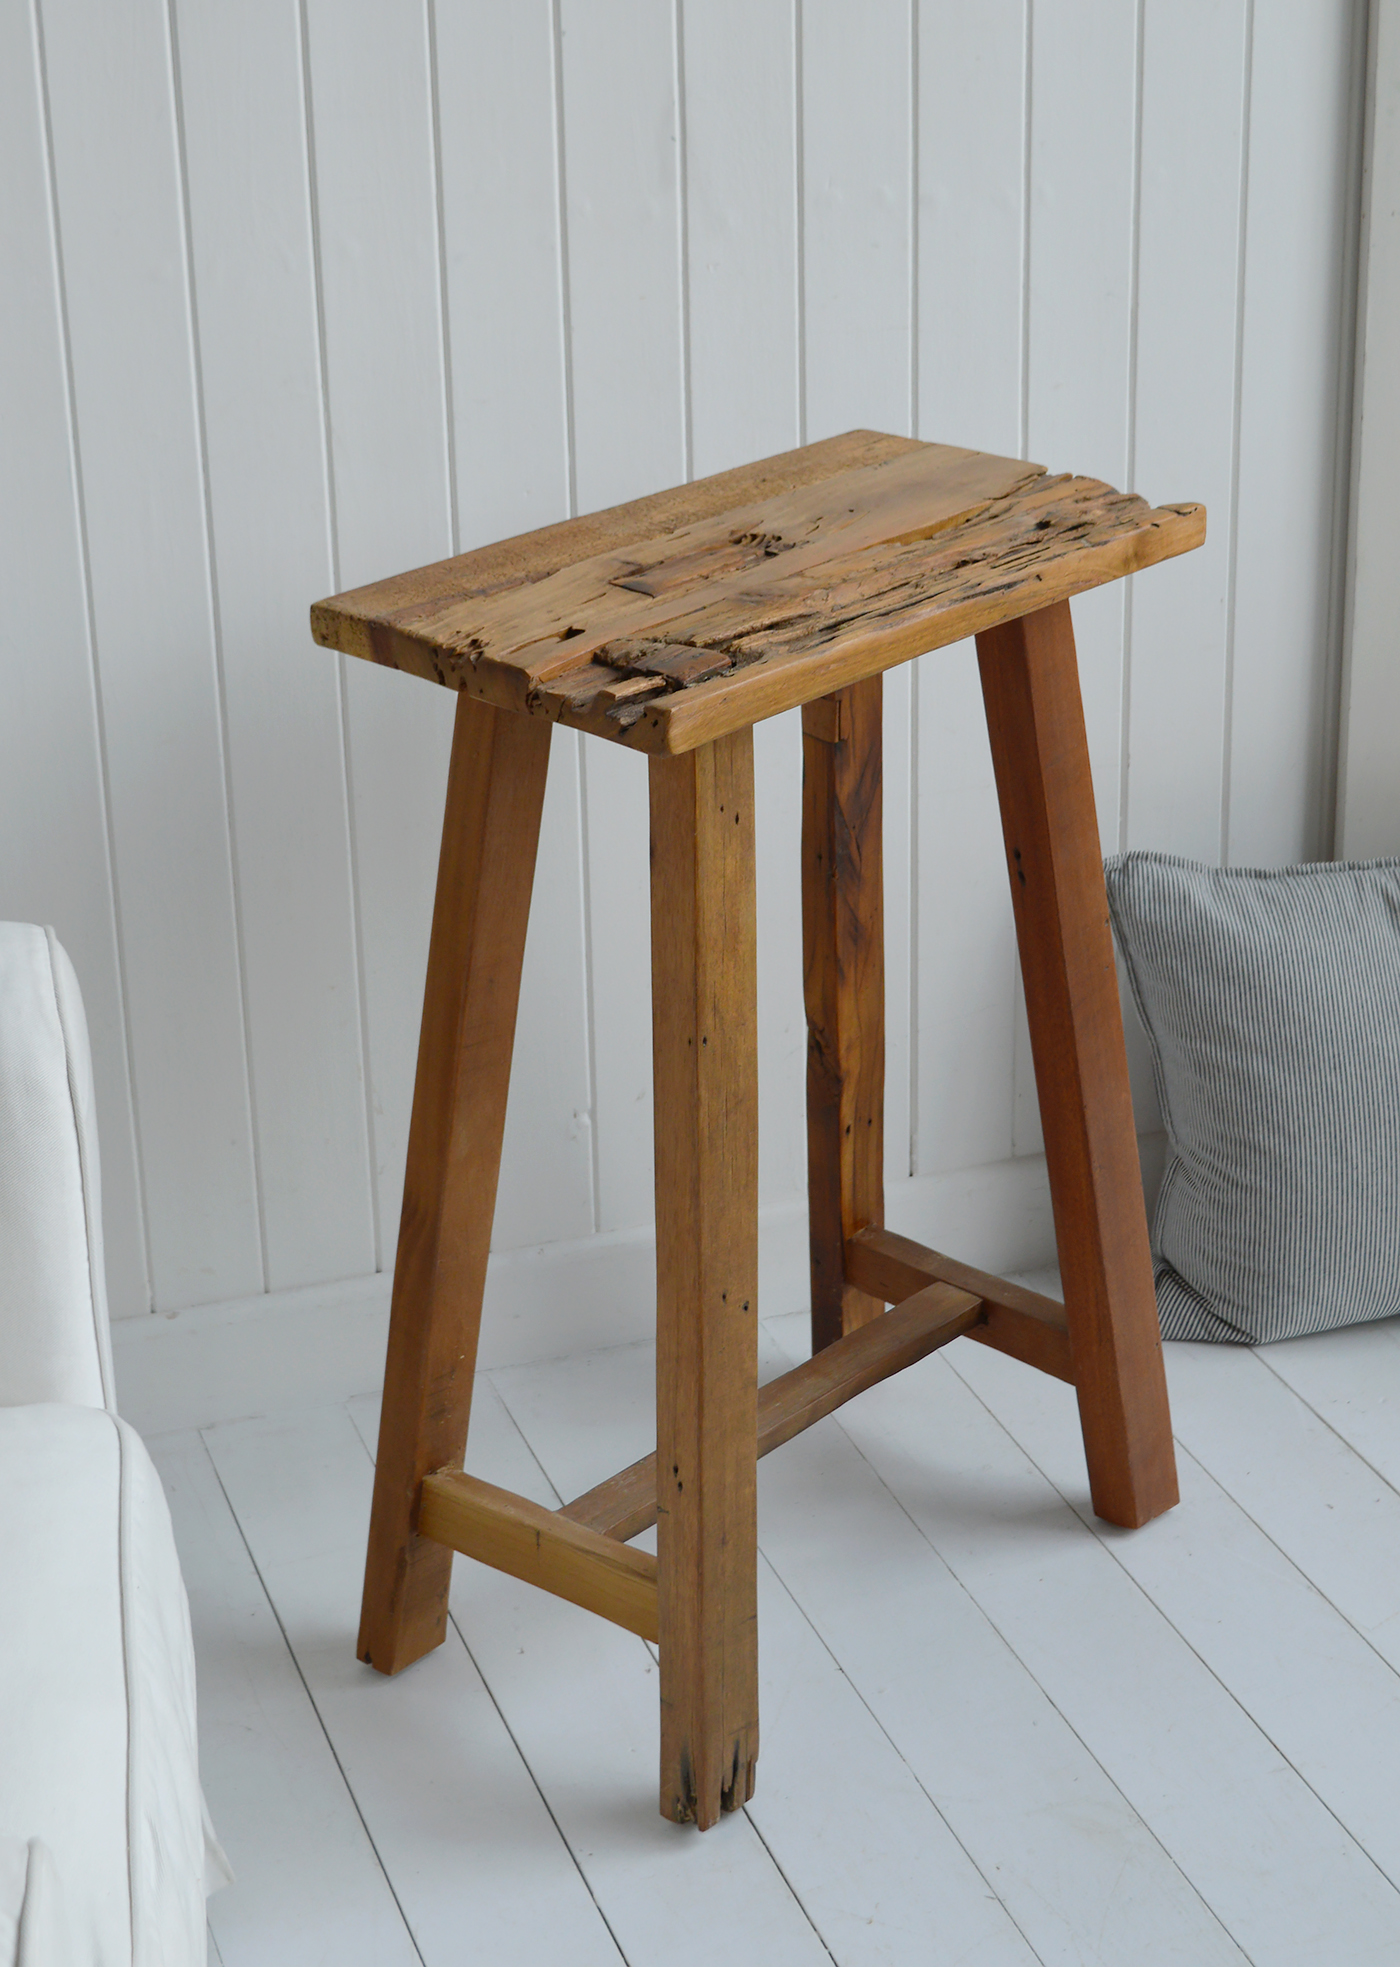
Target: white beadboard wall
296,295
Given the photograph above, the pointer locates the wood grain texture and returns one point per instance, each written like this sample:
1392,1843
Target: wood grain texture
371,615
1036,724
675,636
933,1316
495,795
843,969
705,1067
1030,1327
543,1547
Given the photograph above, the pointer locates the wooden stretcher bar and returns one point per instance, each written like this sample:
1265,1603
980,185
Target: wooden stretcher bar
935,1314
1025,1324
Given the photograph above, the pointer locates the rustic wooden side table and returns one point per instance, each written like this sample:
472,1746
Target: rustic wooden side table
671,626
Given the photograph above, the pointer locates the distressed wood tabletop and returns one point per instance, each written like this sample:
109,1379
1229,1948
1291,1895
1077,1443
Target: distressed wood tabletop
670,621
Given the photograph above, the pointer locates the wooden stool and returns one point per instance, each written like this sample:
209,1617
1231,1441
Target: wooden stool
671,626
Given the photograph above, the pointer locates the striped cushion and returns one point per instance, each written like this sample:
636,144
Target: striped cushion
1271,998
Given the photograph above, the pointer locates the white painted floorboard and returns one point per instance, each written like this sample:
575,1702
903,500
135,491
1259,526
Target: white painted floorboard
995,1731
310,1890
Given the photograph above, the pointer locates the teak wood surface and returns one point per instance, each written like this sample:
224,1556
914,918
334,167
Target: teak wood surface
931,1316
495,795
1025,1324
705,1053
671,625
843,976
665,623
1030,683
542,1546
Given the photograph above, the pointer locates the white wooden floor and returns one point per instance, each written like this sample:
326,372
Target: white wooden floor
994,1730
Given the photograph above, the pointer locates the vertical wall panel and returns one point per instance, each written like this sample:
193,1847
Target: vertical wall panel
52,805
857,157
1296,254
621,145
1083,172
1083,169
546,1191
1188,287
972,179
901,1010
621,159
116,165
857,177
619,906
250,222
1368,791
500,217
501,228
377,226
741,205
544,257
972,171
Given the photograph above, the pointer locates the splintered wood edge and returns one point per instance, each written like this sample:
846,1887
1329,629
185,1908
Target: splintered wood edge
683,721
763,689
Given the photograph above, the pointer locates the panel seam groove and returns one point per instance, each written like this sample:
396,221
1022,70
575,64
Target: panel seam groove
217,635
454,524
1125,708
342,697
94,665
683,240
1232,571
566,317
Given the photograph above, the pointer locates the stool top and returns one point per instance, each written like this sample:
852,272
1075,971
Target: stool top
667,622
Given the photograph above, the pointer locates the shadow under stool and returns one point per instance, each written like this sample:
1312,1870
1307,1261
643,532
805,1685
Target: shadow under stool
671,626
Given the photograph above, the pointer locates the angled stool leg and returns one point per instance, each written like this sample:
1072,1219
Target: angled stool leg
1030,684
495,792
843,964
704,1037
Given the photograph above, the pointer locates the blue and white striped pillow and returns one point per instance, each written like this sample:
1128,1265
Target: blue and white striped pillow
1271,997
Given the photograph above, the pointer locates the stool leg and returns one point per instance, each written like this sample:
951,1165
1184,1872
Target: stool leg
843,952
704,1025
495,792
1030,684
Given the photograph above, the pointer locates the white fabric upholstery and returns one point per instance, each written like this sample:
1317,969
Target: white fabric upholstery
98,1752
54,1338
105,1846
34,1929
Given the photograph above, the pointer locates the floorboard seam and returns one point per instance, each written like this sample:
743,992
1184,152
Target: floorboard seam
1034,1678
914,1776
315,1706
1330,1426
821,1939
491,1696
1194,1455
984,1613
1166,1617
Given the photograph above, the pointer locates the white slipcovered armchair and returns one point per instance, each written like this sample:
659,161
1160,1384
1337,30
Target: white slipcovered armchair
103,1844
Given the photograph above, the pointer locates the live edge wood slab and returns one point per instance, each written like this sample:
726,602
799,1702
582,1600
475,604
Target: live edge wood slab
671,626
